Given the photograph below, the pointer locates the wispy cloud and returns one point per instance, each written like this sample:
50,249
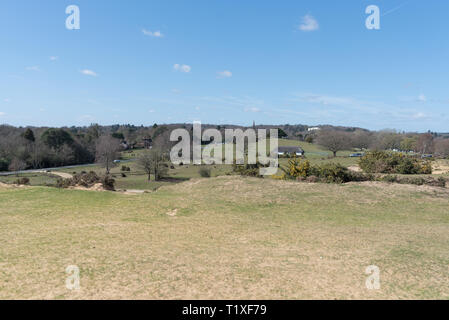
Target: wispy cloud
88,72
224,74
54,58
422,98
7,100
2,114
156,34
182,68
34,68
394,9
87,117
252,109
309,23
419,115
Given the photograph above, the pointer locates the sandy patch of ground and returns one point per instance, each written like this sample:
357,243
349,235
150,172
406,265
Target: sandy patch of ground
355,168
95,187
59,174
440,168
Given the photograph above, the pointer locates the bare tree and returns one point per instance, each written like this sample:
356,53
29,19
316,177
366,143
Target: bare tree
361,139
387,140
153,162
107,150
425,143
442,147
334,140
17,165
145,162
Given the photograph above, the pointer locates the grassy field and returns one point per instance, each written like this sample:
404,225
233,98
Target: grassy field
226,238
36,179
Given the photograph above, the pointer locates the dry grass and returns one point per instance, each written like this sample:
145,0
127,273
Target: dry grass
226,238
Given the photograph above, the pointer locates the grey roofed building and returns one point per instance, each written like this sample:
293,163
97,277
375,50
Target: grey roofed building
291,150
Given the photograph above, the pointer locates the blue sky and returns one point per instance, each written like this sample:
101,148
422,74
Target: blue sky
310,62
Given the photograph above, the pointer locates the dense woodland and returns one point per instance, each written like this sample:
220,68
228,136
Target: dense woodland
41,147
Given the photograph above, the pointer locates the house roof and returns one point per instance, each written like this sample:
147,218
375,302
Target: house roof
291,149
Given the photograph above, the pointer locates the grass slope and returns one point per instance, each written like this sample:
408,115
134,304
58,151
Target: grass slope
226,237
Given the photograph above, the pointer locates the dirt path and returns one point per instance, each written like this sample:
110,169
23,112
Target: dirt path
59,174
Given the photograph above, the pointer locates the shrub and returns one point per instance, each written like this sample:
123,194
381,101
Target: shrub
312,179
108,183
123,175
384,162
250,170
4,164
204,172
430,181
333,172
125,168
87,180
23,181
298,168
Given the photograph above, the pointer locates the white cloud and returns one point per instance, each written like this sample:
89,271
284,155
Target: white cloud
197,108
422,98
54,58
87,117
33,68
182,68
309,23
252,109
151,111
224,74
2,114
88,72
7,100
156,34
419,115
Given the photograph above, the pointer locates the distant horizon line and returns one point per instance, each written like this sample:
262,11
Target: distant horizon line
224,124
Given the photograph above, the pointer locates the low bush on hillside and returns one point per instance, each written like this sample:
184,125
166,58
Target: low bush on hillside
87,180
125,168
204,172
429,181
393,163
23,181
249,170
303,170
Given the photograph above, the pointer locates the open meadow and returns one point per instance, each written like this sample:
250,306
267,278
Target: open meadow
227,237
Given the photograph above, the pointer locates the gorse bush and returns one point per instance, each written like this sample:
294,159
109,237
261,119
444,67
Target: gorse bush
87,180
393,163
204,172
303,170
23,181
250,170
430,181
